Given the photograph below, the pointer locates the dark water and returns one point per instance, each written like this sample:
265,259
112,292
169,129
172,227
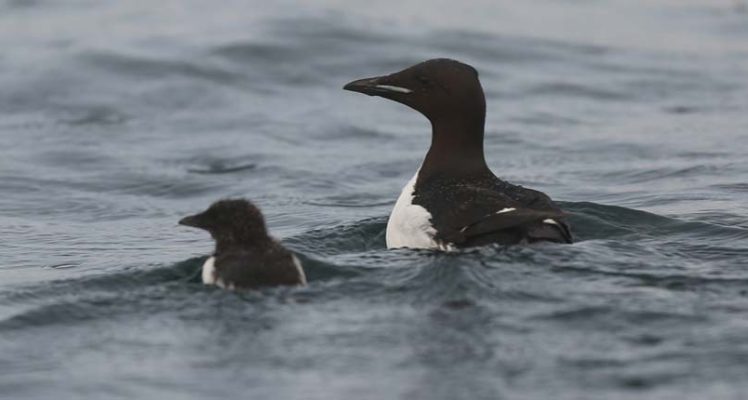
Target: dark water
118,118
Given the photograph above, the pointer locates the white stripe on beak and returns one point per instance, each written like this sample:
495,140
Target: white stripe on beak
396,89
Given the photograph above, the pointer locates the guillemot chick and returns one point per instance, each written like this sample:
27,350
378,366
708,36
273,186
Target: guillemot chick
245,256
454,200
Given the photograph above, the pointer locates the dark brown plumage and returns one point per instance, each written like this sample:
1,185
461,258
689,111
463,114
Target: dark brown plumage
467,203
245,256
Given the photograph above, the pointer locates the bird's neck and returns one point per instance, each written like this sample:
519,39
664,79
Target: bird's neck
225,243
456,149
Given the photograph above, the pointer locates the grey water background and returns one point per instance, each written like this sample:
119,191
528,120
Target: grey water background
119,118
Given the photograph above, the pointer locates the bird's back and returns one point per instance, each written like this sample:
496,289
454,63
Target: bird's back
271,265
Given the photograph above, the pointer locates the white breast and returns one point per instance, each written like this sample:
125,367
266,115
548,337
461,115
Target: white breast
210,277
410,224
209,271
299,268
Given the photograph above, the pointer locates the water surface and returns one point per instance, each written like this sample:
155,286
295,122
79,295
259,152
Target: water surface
119,118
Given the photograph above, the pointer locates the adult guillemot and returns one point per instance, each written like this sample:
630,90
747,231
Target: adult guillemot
454,200
245,256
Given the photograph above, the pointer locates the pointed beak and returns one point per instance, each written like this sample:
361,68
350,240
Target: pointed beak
377,86
192,220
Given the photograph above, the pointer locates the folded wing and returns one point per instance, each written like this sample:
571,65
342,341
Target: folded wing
495,217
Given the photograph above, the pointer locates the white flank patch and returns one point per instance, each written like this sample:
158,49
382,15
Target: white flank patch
396,89
209,271
506,210
297,263
550,221
410,224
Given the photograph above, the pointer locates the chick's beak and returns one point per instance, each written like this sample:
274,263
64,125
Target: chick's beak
192,220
